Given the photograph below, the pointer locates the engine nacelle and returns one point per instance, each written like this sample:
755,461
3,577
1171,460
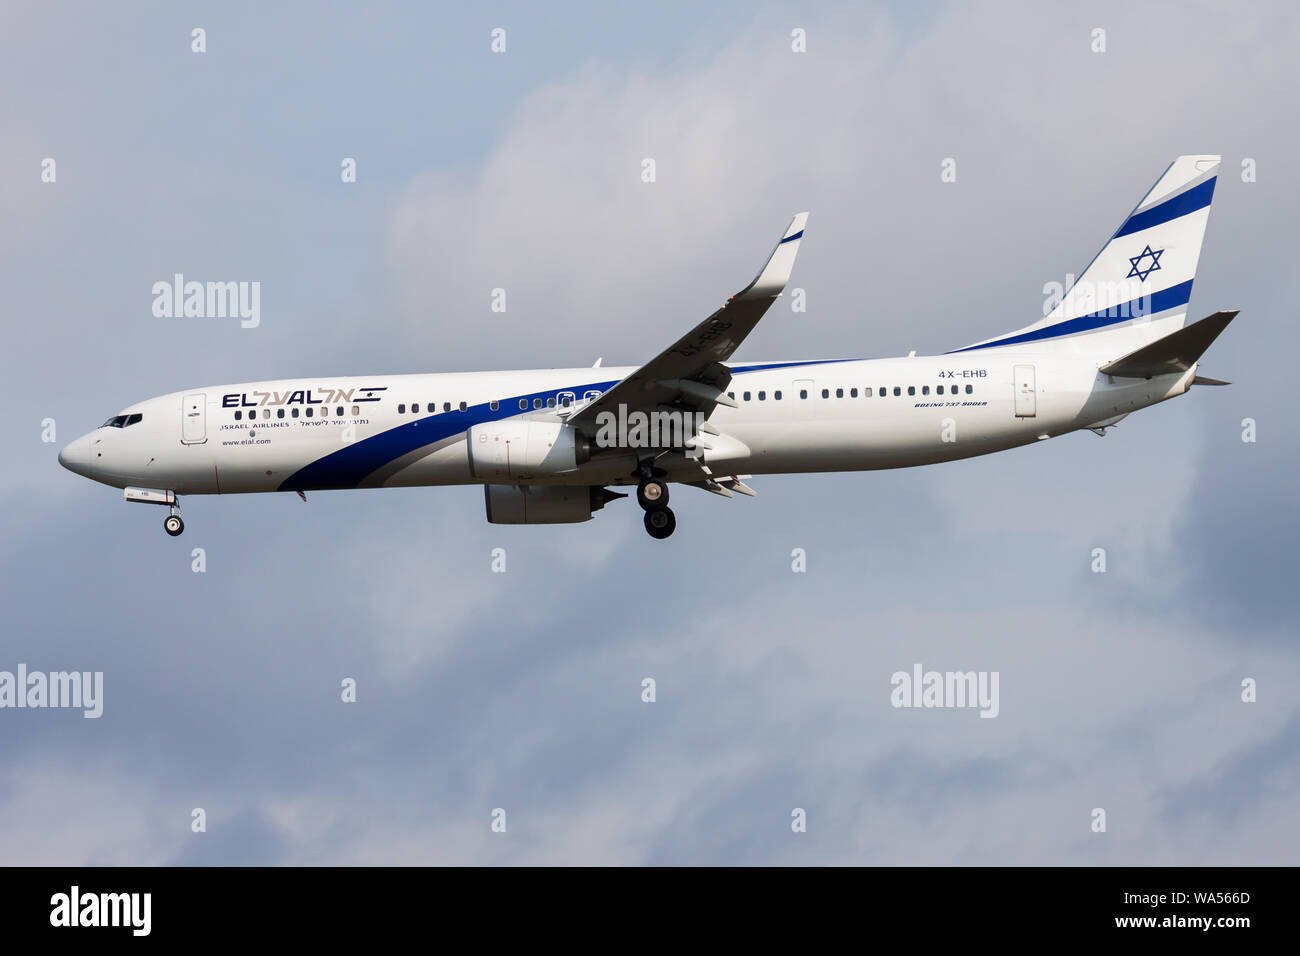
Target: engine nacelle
517,449
544,504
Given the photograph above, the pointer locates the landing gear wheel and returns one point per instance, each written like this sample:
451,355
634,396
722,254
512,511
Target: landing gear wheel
173,525
652,493
660,522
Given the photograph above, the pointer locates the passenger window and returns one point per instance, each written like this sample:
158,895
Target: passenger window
401,409
803,393
309,412
938,389
339,411
853,393
745,395
882,393
731,395
523,403
762,396
494,405
826,393
925,389
776,396
238,415
839,393
537,403
969,389
446,406
293,412
356,410
550,403
279,413
897,390
911,390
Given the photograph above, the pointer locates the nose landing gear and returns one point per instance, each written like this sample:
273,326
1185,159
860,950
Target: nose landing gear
173,524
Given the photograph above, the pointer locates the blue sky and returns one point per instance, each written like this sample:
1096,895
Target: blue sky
523,690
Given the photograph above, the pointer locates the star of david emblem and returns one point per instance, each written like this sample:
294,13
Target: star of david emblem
1153,264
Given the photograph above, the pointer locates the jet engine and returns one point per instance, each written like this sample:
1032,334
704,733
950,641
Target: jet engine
516,449
544,504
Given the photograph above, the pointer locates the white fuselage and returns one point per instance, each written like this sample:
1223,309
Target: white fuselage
363,432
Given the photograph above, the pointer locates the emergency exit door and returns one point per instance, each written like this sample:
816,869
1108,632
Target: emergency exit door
1026,392
802,392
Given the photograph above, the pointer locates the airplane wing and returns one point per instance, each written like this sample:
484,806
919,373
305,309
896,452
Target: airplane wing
690,372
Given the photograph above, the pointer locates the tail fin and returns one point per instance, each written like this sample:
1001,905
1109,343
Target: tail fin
1137,287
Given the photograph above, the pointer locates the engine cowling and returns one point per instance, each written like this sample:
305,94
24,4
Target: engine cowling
544,504
518,449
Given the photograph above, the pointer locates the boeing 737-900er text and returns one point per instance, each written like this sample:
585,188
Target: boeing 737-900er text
547,444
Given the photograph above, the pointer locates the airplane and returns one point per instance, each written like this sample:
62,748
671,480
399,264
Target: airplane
550,445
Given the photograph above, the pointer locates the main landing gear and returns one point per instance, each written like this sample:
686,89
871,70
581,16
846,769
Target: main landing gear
652,495
660,522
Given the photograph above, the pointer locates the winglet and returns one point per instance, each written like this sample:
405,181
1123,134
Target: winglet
771,281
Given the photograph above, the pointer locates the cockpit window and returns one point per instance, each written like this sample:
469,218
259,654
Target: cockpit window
122,421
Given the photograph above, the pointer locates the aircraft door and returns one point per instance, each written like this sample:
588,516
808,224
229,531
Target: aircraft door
1026,392
803,391
194,409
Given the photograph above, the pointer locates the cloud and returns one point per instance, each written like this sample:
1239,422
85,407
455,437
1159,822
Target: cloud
522,690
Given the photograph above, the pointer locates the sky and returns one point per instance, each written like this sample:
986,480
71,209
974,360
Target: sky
479,691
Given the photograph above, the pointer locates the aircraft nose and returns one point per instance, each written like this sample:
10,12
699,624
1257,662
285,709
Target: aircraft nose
76,457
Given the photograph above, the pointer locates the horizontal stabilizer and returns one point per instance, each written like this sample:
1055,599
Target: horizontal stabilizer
1202,380
1176,352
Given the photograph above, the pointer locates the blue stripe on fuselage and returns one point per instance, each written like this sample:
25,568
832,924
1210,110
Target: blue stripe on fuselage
350,465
